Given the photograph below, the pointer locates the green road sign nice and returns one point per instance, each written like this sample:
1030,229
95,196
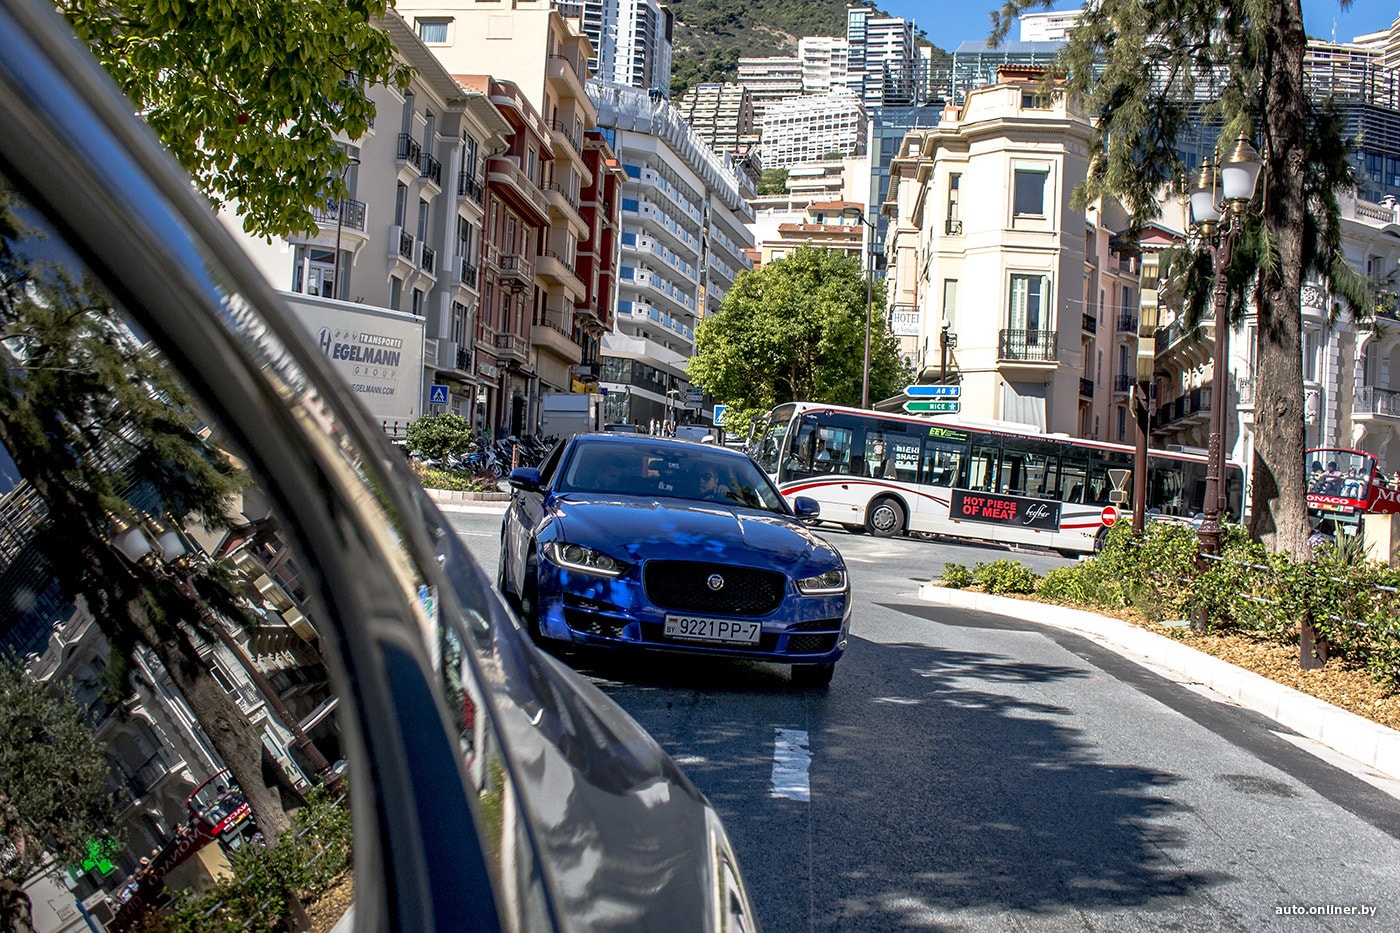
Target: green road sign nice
933,404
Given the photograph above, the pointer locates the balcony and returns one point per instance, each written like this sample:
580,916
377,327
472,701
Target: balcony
409,151
1127,323
1373,400
1089,324
566,72
427,260
466,273
504,172
552,267
349,214
401,244
517,273
550,336
571,133
1122,383
470,187
512,347
1033,346
430,169
1086,387
1177,347
952,227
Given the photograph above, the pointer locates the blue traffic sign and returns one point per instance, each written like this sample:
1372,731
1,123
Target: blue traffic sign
437,394
933,391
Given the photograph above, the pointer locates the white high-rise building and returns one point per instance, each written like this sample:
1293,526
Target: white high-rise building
825,63
631,40
683,242
809,129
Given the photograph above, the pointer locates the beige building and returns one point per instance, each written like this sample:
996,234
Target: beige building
998,251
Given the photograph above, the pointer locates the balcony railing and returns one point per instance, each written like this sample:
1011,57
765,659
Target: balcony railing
469,186
564,192
1029,345
1377,401
952,227
1090,324
431,169
467,274
1127,322
1086,387
571,133
410,150
1123,382
406,245
349,214
428,259
516,268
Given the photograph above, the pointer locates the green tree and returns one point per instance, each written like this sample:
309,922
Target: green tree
773,181
249,96
104,432
795,330
1150,71
437,437
53,784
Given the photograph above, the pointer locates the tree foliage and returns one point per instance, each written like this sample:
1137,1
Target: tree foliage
773,181
249,96
1148,73
795,330
53,776
437,437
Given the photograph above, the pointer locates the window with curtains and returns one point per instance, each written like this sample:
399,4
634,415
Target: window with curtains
1029,307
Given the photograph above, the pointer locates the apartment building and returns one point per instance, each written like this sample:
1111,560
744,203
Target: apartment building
721,113
770,81
1008,276
825,62
816,128
541,338
683,242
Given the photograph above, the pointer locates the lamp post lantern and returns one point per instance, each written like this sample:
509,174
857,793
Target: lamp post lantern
1219,197
859,214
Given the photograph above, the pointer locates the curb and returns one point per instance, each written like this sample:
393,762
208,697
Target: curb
1354,736
453,496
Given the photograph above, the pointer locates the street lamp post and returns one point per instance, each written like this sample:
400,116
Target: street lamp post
943,344
1219,198
339,226
859,214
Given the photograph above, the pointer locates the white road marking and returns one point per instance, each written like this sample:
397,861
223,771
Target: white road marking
791,760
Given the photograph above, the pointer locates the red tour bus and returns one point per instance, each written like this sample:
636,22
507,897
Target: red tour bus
1344,485
219,808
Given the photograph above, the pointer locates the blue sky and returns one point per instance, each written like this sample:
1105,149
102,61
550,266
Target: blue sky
950,24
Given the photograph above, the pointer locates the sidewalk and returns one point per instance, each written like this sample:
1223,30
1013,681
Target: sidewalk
1346,733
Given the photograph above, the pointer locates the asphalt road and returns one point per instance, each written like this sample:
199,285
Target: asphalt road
967,771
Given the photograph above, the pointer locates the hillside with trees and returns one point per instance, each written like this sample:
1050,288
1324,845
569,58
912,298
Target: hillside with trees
711,35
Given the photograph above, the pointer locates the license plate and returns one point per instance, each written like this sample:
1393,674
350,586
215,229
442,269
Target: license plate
728,631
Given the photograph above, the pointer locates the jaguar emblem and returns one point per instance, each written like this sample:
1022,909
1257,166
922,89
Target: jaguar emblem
715,582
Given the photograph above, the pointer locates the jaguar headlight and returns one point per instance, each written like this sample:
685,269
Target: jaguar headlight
833,581
585,560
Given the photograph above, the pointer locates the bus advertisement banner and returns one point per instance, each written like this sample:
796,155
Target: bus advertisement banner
1004,510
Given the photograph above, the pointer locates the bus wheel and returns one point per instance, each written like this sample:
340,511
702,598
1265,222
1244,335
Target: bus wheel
1099,539
855,529
885,518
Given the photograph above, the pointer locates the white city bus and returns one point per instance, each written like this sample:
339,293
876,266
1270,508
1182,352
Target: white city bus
891,474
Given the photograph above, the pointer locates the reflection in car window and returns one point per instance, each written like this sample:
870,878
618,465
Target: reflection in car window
133,538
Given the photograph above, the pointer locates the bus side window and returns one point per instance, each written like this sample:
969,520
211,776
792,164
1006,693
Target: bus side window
942,463
982,473
1072,475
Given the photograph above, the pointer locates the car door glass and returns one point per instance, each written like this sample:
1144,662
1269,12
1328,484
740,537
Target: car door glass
137,534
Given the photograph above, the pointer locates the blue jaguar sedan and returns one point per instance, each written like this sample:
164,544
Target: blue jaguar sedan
635,542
